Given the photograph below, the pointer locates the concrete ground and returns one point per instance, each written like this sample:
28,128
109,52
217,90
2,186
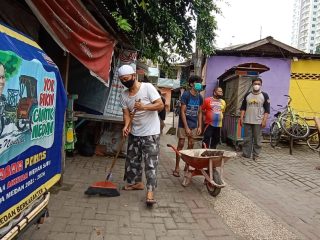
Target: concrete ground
285,186
276,197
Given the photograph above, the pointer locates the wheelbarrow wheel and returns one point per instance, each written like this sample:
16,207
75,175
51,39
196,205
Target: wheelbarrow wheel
213,190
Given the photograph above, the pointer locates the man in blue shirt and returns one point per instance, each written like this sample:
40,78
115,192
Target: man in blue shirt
190,119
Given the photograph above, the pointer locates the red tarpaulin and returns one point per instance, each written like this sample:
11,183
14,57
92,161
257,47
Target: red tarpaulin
77,32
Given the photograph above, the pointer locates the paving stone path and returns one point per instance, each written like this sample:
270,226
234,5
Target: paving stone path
181,213
286,186
281,191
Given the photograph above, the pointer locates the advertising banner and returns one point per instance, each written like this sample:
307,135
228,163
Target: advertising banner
32,106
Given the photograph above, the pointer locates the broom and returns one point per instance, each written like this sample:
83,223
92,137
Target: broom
107,188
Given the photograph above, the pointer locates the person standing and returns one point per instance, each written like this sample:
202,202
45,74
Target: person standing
255,110
162,113
190,119
213,108
140,103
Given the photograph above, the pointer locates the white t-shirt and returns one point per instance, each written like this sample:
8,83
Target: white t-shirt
144,123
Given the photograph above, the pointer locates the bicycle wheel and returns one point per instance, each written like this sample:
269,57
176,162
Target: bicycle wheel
275,133
296,127
313,141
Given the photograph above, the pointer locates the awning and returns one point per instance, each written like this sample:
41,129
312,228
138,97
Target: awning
76,31
153,72
168,83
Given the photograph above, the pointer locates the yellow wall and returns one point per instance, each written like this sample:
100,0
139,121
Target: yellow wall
304,91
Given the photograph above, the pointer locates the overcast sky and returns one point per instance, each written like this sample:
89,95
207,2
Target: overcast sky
242,20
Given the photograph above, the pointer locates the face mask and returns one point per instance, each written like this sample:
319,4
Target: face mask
198,87
218,96
128,84
256,87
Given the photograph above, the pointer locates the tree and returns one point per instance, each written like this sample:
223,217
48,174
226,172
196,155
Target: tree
11,63
159,28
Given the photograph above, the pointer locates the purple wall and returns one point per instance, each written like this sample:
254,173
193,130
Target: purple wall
275,81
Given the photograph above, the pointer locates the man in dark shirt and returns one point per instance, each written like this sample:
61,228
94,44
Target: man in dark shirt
190,119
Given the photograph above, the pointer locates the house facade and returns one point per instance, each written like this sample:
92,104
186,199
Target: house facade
291,72
305,86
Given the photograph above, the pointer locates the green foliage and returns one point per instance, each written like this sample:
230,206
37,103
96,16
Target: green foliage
160,28
11,63
206,25
122,23
318,49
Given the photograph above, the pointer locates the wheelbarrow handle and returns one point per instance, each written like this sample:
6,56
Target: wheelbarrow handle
174,149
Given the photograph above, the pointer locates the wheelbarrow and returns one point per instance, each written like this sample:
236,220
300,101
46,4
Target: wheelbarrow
205,162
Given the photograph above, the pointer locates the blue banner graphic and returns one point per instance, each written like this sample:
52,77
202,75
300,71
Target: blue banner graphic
32,106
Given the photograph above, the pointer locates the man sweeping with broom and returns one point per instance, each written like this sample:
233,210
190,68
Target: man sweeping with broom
140,103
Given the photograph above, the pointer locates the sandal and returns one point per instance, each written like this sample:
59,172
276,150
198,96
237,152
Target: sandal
136,186
150,200
175,173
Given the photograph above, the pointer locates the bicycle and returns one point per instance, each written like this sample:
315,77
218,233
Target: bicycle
313,140
288,122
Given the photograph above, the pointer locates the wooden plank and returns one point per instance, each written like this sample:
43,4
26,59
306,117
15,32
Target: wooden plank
98,118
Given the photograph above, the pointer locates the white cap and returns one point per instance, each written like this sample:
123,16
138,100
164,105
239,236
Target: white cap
125,70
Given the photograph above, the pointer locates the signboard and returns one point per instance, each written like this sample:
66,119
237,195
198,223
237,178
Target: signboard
32,106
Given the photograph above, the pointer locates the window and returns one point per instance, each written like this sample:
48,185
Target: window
315,6
314,19
311,45
312,32
313,25
312,38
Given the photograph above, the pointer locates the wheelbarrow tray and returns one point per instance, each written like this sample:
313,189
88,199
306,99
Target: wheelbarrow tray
194,159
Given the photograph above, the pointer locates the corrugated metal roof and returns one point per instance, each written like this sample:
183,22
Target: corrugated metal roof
168,83
265,54
267,47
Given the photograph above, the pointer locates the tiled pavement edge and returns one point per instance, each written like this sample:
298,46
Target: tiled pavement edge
241,214
184,213
181,213
286,186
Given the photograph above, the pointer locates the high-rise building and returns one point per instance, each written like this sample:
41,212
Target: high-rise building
306,25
